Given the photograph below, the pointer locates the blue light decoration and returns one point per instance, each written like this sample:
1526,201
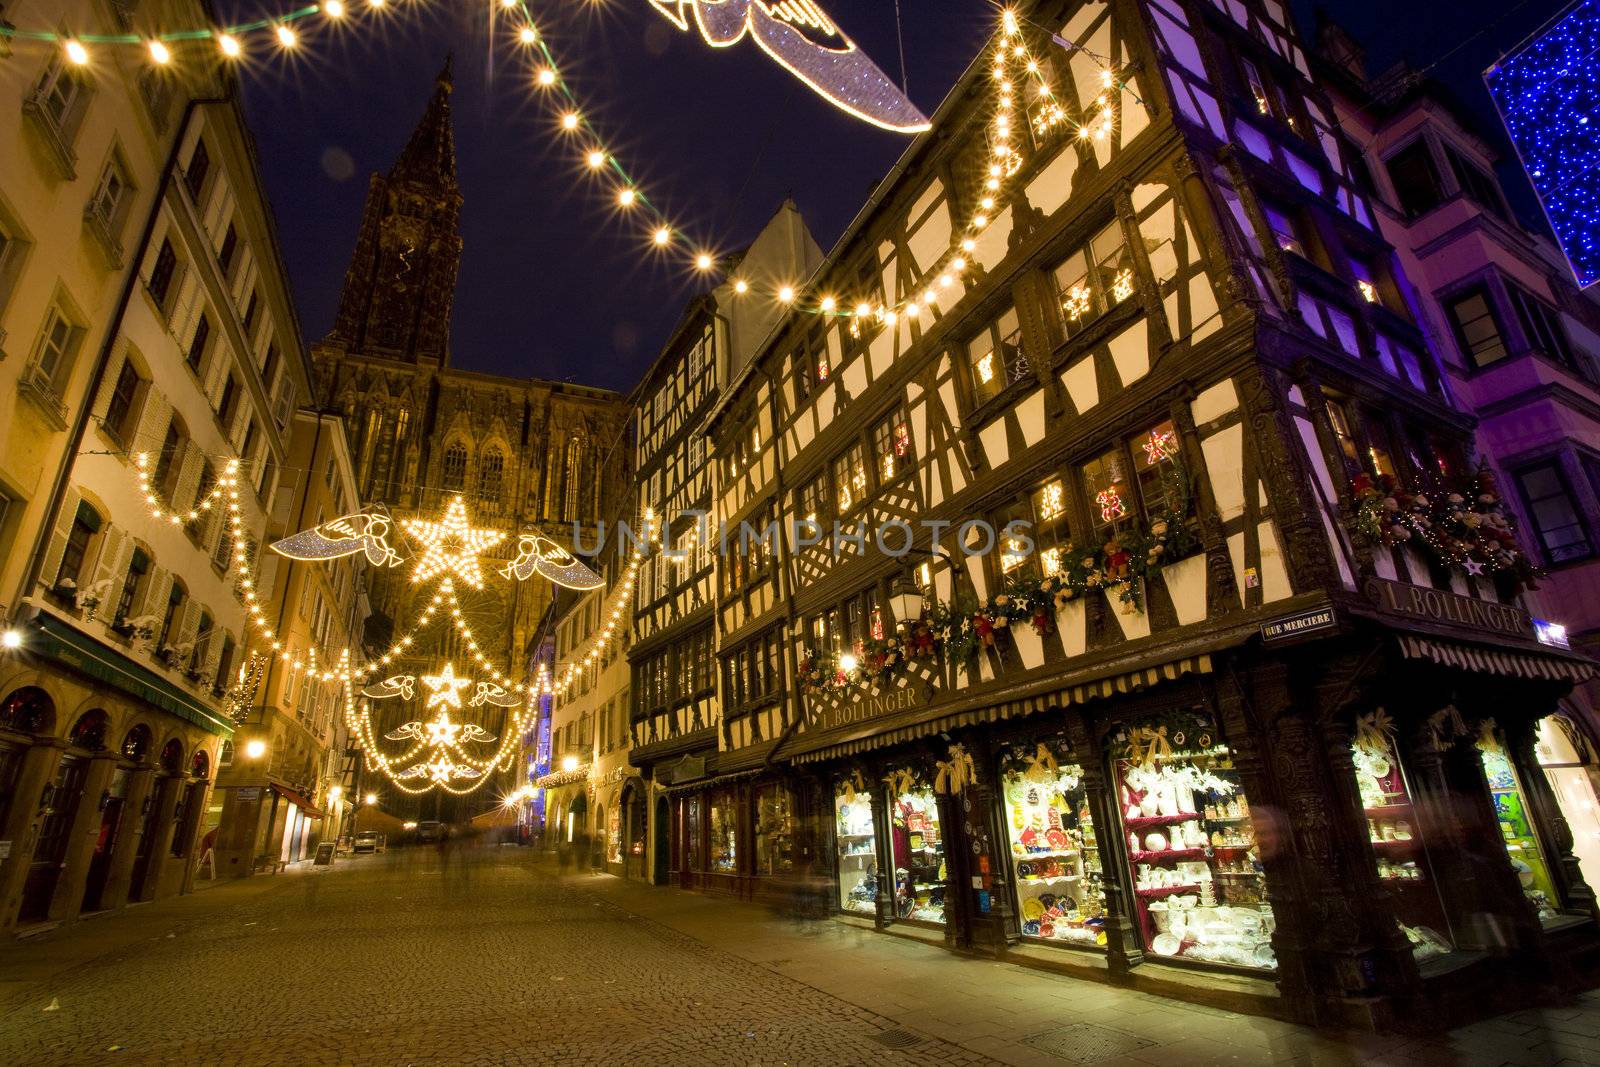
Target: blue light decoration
1548,93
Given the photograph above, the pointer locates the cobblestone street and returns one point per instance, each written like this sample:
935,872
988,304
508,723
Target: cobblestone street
491,958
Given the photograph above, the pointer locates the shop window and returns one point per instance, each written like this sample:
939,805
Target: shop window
1517,830
1051,532
724,839
856,847
691,834
814,500
1477,327
1054,851
1380,450
1415,178
1093,279
1163,488
1554,512
917,846
1398,848
775,849
891,446
1567,759
995,357
1344,439
1199,887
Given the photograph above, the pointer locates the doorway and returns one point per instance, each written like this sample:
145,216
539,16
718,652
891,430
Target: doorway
110,821
659,873
50,848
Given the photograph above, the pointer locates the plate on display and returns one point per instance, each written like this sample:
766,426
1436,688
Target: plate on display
1165,945
1047,899
1380,768
1032,910
1015,792
1055,839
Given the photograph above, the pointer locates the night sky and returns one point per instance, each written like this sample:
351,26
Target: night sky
553,284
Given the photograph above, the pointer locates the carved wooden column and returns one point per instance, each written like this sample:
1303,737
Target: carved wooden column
883,843
1239,694
979,861
1124,951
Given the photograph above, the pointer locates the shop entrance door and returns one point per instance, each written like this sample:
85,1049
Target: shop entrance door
856,852
51,847
147,833
1569,765
100,861
663,845
917,847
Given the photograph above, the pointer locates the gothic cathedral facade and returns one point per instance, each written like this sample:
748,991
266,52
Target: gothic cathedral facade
526,455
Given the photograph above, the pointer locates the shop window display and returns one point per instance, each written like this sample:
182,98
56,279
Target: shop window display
1054,853
857,847
1199,888
1568,761
774,831
918,850
724,835
1396,837
1517,831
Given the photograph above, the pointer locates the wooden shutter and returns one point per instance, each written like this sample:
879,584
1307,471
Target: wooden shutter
59,535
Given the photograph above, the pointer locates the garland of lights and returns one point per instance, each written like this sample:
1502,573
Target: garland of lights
1014,65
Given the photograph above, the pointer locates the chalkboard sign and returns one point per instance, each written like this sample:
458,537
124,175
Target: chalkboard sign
324,854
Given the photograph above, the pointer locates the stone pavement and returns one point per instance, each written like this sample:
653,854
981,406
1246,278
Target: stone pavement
491,958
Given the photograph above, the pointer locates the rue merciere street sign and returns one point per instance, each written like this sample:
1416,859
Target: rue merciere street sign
827,718
1302,622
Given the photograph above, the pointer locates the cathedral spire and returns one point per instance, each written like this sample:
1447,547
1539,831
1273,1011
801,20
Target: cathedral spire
401,282
430,155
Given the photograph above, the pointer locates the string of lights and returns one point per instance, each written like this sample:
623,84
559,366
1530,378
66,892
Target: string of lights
1015,66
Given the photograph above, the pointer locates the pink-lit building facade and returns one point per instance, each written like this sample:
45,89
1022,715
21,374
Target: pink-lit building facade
1519,344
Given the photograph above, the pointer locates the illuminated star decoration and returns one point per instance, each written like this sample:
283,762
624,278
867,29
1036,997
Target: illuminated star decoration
802,39
540,555
442,731
1473,567
445,687
451,545
344,536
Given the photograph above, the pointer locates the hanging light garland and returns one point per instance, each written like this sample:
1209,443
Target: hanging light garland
1014,67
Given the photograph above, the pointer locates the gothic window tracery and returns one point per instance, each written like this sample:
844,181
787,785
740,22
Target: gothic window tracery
453,471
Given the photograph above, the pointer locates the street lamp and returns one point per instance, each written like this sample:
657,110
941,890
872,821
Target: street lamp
371,799
569,763
905,600
255,748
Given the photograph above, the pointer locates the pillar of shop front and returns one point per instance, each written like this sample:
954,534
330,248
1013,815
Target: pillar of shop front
979,862
125,849
1577,895
1123,949
883,842
199,798
161,837
22,822
1252,698
82,836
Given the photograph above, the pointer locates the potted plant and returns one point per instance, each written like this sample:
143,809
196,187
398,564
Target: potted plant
66,591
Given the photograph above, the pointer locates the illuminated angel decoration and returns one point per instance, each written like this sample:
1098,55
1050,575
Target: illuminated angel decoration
400,685
492,693
806,42
540,555
441,732
365,531
442,770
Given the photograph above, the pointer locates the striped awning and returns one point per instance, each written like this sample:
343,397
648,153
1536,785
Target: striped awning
1127,682
1511,664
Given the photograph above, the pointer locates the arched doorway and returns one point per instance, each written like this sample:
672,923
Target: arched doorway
659,872
30,711
150,826
633,831
90,732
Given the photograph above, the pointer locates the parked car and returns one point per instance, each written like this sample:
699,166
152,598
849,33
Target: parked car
430,830
369,841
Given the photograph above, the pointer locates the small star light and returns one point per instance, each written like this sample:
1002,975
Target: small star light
452,545
442,731
445,688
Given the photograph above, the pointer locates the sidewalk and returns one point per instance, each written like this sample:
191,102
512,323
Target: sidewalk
1021,1016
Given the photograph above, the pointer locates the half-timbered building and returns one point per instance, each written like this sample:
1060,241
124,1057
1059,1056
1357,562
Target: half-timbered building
1137,607
676,722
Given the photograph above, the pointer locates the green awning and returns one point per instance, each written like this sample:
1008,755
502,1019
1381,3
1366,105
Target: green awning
77,650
